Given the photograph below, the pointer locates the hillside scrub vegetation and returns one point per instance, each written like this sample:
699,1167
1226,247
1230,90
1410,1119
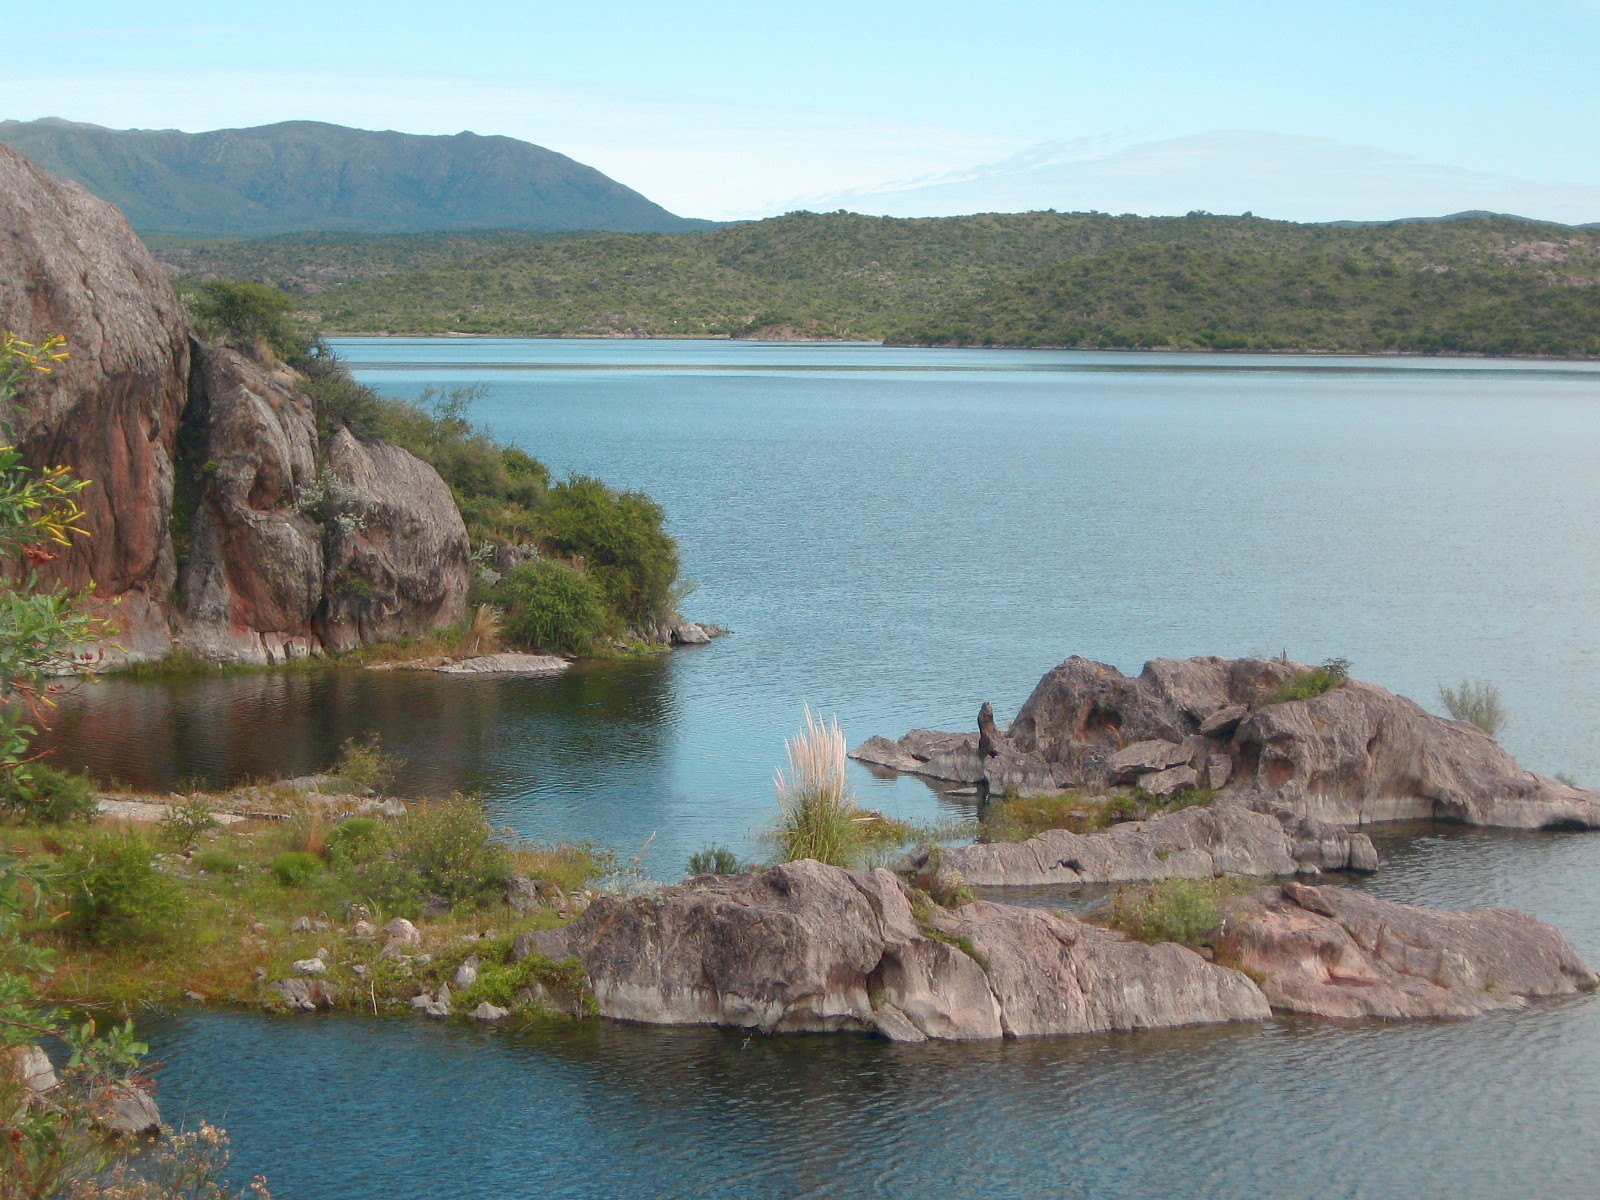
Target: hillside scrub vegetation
1480,284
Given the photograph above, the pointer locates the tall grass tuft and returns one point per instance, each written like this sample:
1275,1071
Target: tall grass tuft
818,816
483,633
1477,702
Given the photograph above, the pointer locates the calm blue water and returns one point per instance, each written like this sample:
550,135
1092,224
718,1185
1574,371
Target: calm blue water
895,536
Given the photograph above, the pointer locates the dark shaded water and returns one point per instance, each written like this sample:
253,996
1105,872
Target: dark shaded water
896,536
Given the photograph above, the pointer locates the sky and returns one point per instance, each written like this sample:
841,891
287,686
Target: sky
730,110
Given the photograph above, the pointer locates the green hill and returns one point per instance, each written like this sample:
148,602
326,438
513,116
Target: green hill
1497,285
306,175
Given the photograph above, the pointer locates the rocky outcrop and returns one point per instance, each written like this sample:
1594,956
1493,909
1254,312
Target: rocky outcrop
1192,843
806,947
1355,754
272,568
253,572
398,556
70,264
1332,952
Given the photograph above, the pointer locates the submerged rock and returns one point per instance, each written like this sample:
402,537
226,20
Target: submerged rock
508,663
1192,843
1354,754
1332,952
807,947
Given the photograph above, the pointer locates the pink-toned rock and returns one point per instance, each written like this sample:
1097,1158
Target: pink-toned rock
1192,843
1145,758
69,264
1333,952
807,947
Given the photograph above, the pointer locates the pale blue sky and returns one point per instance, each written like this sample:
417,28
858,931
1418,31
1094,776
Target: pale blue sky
723,109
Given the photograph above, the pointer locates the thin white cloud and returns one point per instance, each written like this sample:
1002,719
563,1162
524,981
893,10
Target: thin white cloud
1275,175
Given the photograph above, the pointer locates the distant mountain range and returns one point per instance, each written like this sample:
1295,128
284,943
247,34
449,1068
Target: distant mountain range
1224,171
308,176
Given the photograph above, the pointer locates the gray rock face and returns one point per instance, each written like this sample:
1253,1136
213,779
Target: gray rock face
1355,754
509,663
932,753
805,947
69,264
1192,843
1332,952
398,558
123,1109
31,1066
303,994
253,576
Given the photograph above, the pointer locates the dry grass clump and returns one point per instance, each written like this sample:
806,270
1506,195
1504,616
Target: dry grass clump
484,633
818,814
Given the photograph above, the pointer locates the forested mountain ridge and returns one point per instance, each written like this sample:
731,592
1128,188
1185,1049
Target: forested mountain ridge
308,175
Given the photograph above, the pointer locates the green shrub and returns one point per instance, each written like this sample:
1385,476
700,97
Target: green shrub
444,848
214,860
48,795
358,840
1186,911
182,823
1477,702
518,985
1314,681
297,868
115,892
363,766
243,312
718,860
619,536
552,606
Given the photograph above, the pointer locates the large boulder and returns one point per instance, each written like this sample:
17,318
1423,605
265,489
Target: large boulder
398,557
1354,754
252,576
1192,843
69,264
1333,952
807,947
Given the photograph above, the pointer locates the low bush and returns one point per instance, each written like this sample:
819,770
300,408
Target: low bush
244,313
1018,818
115,892
552,606
1312,682
358,840
442,848
1186,911
183,823
215,860
718,860
297,868
363,766
524,985
47,795
1477,702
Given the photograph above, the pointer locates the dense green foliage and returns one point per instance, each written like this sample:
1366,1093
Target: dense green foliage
307,175
48,795
552,605
1406,289
619,537
244,313
1493,285
445,849
115,891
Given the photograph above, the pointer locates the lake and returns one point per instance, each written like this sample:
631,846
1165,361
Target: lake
894,536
